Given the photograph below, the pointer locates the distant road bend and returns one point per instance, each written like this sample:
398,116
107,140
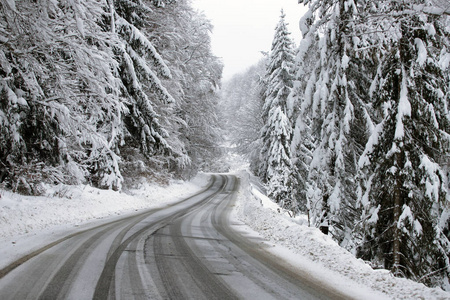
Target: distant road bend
187,250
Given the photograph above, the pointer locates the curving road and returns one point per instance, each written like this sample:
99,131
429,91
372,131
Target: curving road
188,250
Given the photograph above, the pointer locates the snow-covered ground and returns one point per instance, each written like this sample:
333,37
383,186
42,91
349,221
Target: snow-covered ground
26,223
316,253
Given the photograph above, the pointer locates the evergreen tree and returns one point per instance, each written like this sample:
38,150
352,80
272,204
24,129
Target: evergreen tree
279,162
141,69
81,80
336,88
303,139
182,35
276,165
403,192
60,110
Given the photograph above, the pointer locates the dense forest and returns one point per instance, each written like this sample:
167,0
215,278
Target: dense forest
105,92
354,129
351,127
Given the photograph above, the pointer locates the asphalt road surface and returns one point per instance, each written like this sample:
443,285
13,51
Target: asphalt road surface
188,250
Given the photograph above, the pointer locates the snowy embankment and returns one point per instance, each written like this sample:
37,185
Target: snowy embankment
28,223
317,254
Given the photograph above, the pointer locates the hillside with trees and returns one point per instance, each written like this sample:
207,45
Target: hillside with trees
105,92
355,133
350,128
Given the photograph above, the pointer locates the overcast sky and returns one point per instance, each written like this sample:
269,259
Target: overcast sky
243,28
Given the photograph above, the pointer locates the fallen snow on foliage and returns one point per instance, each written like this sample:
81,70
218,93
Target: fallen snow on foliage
318,254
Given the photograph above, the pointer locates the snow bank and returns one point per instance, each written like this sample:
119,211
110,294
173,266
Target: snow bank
79,204
26,222
317,253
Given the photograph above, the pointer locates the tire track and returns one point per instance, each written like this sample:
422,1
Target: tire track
62,268
105,285
180,271
61,279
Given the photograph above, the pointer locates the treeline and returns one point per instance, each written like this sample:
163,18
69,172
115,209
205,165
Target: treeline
356,130
105,92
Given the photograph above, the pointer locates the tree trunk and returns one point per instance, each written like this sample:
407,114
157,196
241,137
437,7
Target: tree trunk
397,194
396,234
324,222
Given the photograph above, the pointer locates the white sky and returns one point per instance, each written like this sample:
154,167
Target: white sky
243,28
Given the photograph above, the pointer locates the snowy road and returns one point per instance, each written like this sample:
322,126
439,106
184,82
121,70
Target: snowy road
188,250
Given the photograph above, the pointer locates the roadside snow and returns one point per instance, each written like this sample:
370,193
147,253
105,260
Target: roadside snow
316,253
27,223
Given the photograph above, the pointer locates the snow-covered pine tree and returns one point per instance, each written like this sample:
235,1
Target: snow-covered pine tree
141,69
403,194
60,112
303,139
182,36
335,89
276,166
203,72
279,170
